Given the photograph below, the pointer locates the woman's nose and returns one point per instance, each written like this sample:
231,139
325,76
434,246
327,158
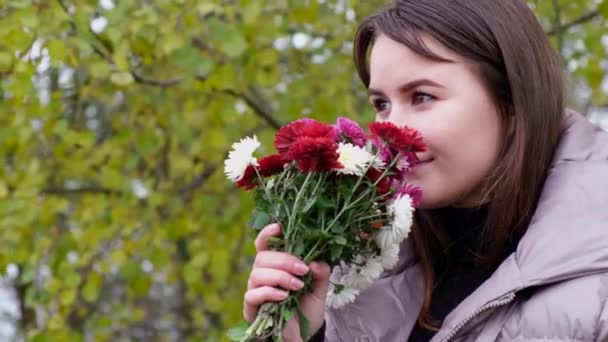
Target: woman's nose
400,116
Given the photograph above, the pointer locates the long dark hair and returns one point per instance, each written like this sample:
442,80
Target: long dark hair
513,57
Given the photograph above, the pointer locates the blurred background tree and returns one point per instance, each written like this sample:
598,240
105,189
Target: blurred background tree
116,221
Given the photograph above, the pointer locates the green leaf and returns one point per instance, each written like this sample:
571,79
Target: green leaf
275,243
335,252
90,292
252,11
603,8
259,220
299,249
20,3
238,332
234,44
231,41
6,60
287,315
191,60
304,325
57,51
100,69
122,78
340,240
72,279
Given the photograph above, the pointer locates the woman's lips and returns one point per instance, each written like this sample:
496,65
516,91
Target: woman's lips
423,162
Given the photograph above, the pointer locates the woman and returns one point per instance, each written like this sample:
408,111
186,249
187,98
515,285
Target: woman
511,240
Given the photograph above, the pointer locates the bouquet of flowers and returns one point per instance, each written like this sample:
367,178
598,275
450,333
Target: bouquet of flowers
341,196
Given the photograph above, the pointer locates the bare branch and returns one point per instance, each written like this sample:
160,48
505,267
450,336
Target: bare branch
580,20
200,44
139,78
258,104
82,309
82,190
199,180
557,22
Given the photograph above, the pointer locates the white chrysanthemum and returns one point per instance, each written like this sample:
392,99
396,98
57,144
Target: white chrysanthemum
240,157
372,269
355,159
339,296
402,213
390,256
354,279
385,238
403,209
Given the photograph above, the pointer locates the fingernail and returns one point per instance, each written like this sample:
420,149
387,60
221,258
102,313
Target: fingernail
296,284
301,268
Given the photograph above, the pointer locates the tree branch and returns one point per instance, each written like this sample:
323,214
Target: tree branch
200,44
199,180
82,190
139,78
82,310
580,20
557,22
254,100
258,104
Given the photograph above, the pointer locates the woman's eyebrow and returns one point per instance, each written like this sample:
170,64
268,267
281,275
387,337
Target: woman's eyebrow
408,86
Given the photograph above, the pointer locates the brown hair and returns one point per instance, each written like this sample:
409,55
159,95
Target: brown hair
513,57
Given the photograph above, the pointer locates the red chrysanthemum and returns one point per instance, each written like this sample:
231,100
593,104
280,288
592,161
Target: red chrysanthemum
314,154
402,139
298,129
271,165
249,180
384,185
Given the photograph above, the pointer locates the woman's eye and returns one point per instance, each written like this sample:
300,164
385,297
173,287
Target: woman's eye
420,97
380,105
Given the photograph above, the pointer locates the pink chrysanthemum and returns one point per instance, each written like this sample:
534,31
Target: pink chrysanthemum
351,130
413,191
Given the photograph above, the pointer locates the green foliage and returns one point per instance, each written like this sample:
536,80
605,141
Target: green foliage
112,200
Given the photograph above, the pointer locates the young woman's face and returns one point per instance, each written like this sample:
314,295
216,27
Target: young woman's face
449,106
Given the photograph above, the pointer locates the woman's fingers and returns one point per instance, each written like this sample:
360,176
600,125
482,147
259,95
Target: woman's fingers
282,261
272,277
270,230
258,296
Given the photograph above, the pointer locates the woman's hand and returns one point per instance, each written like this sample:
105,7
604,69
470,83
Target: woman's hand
274,273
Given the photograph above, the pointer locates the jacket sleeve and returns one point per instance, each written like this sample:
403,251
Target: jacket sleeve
602,325
319,336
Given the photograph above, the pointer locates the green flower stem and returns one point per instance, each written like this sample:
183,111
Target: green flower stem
347,204
369,217
312,253
295,208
